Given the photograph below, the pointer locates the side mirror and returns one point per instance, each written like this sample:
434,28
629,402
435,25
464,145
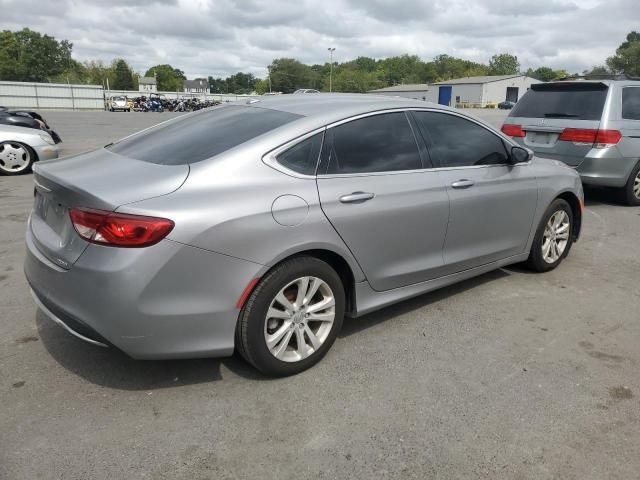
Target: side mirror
520,155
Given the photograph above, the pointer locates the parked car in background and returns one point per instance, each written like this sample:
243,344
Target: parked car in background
259,226
119,104
305,90
20,147
591,125
506,105
28,119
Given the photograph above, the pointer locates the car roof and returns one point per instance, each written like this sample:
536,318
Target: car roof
330,107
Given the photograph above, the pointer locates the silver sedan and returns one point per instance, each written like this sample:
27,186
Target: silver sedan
20,147
260,226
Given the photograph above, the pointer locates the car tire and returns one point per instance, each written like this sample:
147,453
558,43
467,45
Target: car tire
630,193
553,238
272,343
25,151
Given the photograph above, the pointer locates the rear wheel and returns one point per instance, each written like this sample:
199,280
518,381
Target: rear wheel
292,317
15,158
553,238
631,191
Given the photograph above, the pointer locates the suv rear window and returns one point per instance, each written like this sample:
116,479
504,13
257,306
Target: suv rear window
198,136
575,101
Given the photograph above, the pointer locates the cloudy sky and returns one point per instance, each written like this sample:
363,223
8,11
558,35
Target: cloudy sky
220,37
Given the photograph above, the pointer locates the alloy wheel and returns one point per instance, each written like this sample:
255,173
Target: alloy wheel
14,157
556,236
636,186
299,319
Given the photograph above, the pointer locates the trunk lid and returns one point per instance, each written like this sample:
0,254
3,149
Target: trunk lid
101,180
547,109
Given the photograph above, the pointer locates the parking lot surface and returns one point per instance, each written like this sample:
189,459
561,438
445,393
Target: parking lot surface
511,375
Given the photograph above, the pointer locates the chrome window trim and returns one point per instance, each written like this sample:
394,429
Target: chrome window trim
270,158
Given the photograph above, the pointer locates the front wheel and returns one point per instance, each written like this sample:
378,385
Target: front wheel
292,317
553,238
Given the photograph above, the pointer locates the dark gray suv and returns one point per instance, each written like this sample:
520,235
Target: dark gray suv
591,125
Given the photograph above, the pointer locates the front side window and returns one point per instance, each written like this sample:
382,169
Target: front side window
302,157
379,143
631,103
456,142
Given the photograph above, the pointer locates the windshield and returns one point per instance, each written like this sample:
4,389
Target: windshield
578,101
198,136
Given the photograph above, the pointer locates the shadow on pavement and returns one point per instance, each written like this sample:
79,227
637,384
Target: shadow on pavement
601,196
111,368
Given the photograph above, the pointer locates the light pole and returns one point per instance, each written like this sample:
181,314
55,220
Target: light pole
331,50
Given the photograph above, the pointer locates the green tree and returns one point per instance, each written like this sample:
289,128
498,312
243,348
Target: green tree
122,75
504,64
288,74
262,86
29,56
544,74
168,79
627,57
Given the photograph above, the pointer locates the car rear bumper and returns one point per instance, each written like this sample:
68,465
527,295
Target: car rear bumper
165,301
606,170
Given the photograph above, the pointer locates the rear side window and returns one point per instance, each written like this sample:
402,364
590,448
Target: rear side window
457,142
379,143
302,157
631,103
562,100
198,136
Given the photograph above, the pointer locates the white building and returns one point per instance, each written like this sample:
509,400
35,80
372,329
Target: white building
199,85
147,84
467,91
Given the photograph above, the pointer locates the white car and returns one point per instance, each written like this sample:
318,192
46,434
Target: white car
20,147
119,103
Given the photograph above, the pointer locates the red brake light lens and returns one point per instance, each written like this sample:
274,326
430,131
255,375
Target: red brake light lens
513,130
119,229
599,138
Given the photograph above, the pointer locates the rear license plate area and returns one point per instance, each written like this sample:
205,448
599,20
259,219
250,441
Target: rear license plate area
50,211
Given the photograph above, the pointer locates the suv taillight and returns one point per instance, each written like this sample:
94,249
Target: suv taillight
513,130
599,138
119,229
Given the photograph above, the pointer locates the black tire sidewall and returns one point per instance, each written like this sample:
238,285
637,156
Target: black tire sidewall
630,198
253,316
536,261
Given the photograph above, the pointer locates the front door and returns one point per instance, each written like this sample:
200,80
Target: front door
389,210
492,202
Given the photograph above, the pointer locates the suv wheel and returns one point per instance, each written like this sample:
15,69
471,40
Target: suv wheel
553,237
631,192
292,317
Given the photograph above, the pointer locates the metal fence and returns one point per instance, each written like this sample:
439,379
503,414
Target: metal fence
62,96
51,96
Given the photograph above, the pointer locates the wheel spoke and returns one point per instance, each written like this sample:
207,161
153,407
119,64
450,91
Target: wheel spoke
303,285
282,347
546,245
273,340
275,313
303,348
284,301
315,342
321,317
321,305
563,235
313,288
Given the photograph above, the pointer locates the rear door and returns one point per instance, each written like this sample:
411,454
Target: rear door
492,203
390,211
559,120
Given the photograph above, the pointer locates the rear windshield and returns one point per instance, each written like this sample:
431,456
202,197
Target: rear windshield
198,136
562,100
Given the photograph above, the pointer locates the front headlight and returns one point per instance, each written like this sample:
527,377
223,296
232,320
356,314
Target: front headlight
48,139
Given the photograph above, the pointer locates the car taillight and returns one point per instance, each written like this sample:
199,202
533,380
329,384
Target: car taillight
599,138
119,229
513,130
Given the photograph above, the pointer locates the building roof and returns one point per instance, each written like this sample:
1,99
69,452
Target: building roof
481,79
197,83
410,87
147,81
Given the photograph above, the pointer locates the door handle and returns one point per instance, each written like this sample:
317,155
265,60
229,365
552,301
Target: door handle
464,183
357,197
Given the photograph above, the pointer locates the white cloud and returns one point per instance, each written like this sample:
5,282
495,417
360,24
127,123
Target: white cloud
220,37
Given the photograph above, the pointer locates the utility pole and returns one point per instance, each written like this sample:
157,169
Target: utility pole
331,50
269,70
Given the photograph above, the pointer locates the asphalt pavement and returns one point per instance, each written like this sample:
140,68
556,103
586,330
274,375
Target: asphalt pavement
511,375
